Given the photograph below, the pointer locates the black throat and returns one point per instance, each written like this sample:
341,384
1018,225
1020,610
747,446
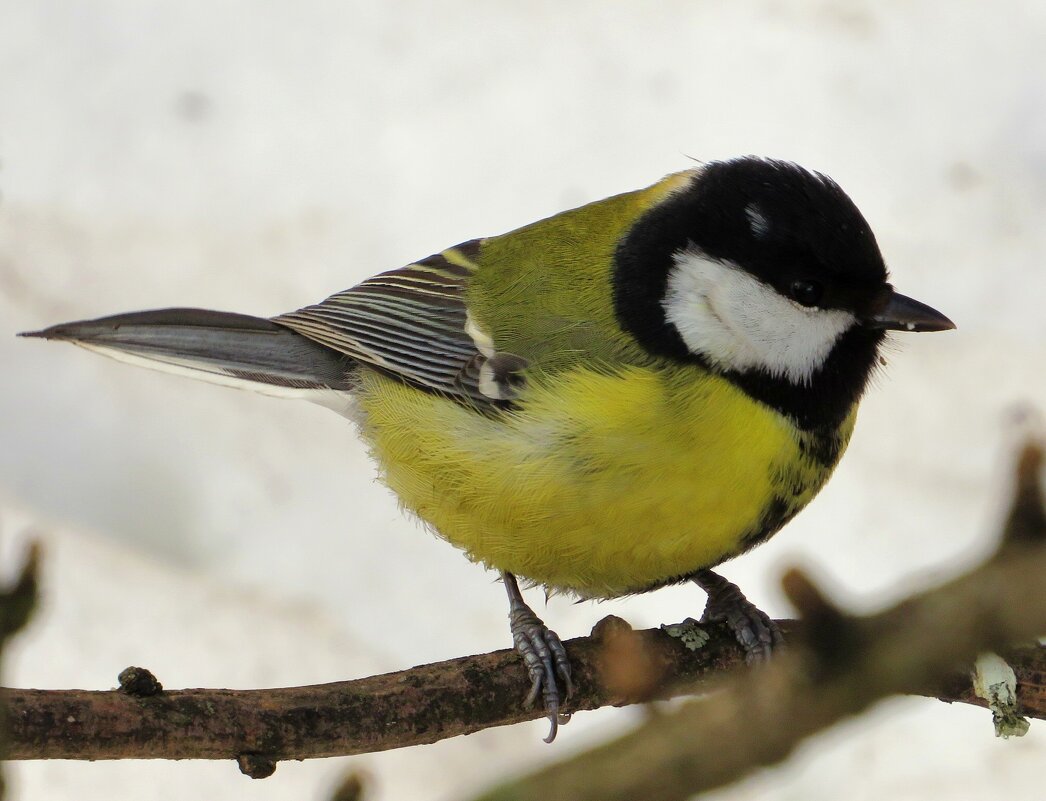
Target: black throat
824,403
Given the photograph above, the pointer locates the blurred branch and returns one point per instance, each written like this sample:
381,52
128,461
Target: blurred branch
837,666
16,607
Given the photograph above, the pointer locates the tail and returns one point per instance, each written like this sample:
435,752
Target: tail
222,348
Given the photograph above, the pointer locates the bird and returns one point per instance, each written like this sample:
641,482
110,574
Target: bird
607,401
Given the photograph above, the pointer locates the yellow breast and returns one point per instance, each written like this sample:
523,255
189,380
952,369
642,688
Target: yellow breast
598,483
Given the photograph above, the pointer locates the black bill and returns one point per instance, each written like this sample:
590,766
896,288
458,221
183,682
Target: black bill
901,313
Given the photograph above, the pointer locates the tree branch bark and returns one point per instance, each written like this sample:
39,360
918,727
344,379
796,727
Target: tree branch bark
412,707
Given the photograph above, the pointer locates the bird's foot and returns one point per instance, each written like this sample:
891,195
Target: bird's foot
543,655
753,628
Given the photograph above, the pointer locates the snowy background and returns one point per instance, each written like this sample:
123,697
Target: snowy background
258,156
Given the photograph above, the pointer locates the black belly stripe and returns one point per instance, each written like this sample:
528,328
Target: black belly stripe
775,515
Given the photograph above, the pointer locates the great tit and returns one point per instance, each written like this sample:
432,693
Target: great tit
604,402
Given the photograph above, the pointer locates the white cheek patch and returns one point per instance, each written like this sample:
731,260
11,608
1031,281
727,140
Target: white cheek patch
737,322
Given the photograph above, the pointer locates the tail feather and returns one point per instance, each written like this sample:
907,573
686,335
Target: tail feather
220,347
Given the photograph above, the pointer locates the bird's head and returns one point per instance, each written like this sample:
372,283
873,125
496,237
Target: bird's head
766,272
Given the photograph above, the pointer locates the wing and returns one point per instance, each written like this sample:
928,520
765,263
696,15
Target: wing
413,324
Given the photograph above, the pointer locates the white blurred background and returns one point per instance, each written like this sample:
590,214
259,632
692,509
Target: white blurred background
257,157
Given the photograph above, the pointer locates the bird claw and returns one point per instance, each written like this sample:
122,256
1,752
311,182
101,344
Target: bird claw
757,633
546,662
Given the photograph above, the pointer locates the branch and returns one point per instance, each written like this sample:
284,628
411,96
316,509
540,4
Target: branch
923,646
412,707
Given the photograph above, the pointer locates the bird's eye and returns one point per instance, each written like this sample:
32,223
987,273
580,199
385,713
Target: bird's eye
807,293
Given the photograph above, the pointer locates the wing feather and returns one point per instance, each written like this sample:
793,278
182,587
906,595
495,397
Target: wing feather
410,323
